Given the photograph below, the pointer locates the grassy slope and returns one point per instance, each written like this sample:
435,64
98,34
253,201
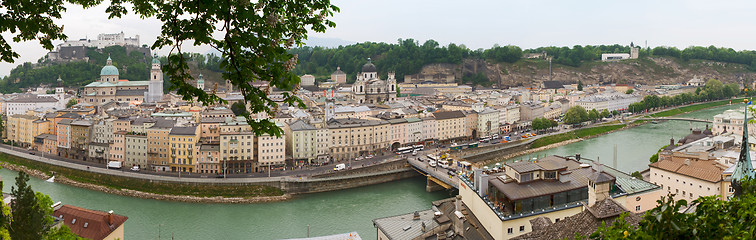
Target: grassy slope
580,133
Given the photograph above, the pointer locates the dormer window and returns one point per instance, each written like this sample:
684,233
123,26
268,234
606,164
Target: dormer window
549,175
526,177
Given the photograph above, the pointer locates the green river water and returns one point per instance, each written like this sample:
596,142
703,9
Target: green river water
332,212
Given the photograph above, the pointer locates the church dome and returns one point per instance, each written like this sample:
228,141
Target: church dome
109,69
369,67
155,59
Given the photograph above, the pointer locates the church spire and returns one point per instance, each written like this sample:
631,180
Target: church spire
744,167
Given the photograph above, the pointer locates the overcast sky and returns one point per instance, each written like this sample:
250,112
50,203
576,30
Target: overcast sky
481,24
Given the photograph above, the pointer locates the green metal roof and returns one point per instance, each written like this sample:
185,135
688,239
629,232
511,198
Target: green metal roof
132,83
181,114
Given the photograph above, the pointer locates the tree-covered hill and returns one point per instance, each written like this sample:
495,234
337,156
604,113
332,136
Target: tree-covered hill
405,57
134,66
409,56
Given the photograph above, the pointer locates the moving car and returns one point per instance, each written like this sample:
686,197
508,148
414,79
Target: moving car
432,163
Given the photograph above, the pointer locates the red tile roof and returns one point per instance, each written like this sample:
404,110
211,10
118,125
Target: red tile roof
89,223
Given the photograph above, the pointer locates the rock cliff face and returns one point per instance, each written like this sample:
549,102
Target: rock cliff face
532,72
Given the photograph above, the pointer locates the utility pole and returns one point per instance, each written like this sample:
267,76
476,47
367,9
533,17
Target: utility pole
550,72
615,157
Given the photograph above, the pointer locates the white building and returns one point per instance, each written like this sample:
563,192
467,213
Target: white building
25,103
155,88
614,56
513,114
307,80
302,143
368,88
103,40
611,102
414,130
271,150
488,122
731,121
429,128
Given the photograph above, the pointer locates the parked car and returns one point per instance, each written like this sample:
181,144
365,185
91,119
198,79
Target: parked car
359,158
339,167
32,153
115,164
369,156
135,168
432,163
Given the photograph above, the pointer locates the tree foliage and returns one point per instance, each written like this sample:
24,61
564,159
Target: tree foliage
71,102
629,91
543,123
131,65
405,57
712,53
253,37
32,215
713,90
238,108
713,218
575,115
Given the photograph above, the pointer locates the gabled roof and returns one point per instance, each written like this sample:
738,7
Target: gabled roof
583,223
89,223
301,125
552,84
33,99
448,115
186,131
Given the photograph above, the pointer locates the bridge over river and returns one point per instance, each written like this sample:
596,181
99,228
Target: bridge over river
438,177
679,119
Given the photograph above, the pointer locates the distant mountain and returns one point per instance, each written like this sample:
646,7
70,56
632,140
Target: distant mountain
327,42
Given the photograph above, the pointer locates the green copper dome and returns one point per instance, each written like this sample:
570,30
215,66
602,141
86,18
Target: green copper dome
109,69
155,59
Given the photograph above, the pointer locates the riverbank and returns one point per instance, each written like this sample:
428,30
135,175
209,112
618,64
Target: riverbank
200,190
694,107
143,188
571,137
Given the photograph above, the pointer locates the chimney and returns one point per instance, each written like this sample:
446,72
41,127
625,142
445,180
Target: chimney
110,217
671,141
416,216
458,203
422,227
687,162
483,190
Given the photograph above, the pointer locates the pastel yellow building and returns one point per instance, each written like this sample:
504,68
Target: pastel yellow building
184,149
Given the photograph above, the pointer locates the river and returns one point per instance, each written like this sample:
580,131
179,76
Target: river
332,212
635,145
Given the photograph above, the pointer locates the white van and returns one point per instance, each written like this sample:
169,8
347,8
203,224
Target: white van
443,164
115,164
339,167
432,163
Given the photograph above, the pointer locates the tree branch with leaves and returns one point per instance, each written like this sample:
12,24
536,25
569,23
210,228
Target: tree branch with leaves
253,37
